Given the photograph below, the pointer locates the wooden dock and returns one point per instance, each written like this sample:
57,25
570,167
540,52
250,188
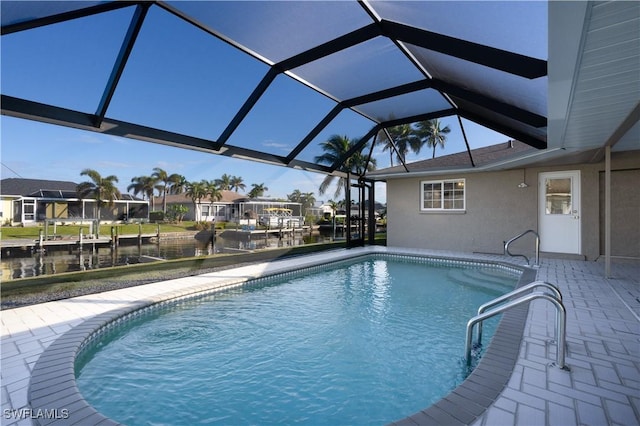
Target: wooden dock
249,233
115,239
38,244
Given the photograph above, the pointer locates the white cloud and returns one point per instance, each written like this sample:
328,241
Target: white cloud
278,145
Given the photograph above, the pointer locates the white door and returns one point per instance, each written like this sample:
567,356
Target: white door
559,212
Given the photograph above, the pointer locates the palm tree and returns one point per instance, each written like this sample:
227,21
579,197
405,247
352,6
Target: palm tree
224,183
237,183
295,196
308,200
404,138
431,133
257,190
144,185
101,188
335,148
334,206
178,184
164,181
213,192
196,191
161,179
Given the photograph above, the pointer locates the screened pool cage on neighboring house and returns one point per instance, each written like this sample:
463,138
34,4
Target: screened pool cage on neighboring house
33,201
30,210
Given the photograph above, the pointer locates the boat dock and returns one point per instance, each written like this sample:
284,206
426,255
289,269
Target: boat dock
71,242
249,231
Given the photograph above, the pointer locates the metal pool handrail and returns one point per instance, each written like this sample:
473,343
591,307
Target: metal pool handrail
561,323
516,292
529,231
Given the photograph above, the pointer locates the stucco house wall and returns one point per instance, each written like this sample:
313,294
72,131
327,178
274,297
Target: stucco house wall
6,209
489,218
497,209
626,214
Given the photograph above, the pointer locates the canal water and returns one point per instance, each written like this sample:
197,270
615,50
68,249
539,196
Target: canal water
18,263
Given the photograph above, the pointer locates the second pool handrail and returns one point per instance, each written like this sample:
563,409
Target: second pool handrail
528,231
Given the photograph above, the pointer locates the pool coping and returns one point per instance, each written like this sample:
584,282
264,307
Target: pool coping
53,388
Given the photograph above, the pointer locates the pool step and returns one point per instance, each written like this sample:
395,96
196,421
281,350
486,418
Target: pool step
487,278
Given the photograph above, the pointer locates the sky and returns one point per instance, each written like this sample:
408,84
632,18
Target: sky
68,64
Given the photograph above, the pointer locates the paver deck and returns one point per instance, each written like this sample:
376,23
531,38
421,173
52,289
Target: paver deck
603,352
603,342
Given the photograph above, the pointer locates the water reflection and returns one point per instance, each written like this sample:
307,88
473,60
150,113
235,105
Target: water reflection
25,263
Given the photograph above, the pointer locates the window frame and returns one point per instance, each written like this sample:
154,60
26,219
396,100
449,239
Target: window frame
443,193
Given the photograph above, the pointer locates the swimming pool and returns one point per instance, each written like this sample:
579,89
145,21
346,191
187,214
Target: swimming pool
380,315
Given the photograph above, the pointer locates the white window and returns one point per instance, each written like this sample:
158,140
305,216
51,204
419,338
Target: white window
205,209
442,195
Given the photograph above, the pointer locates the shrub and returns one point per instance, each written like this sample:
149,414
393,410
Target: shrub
202,226
176,212
157,216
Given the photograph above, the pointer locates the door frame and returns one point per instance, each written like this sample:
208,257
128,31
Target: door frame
575,214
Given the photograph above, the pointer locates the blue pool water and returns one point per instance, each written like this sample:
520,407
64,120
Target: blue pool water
368,342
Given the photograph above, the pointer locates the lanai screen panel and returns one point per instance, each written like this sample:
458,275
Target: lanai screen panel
276,30
348,124
183,87
52,65
404,106
16,12
514,90
282,123
368,67
514,26
499,122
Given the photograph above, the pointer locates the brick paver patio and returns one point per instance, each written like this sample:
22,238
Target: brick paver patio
603,352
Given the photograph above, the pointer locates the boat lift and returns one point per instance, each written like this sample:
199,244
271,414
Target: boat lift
279,217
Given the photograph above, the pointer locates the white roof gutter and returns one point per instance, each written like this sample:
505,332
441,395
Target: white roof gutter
499,165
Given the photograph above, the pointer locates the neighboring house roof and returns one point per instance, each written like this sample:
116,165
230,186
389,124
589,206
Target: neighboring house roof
42,188
129,197
269,201
36,187
227,197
